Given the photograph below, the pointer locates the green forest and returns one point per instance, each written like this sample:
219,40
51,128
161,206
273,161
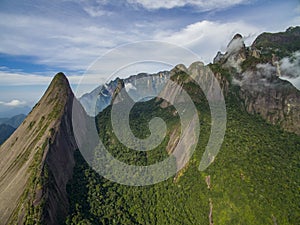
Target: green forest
255,178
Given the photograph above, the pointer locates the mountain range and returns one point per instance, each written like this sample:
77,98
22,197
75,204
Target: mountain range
9,125
45,179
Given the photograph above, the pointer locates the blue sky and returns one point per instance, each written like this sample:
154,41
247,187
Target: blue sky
40,38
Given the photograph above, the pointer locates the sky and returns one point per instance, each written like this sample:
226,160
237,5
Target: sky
39,38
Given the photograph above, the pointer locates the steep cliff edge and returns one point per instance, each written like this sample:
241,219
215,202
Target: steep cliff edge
255,70
275,100
37,161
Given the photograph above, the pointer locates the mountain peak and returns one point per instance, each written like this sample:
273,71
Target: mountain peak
236,44
58,91
120,86
60,80
237,36
38,147
235,53
60,76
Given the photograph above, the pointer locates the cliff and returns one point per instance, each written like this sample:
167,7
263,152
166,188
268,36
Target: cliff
37,161
255,71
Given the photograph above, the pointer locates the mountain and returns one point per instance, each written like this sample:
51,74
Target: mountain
7,113
256,72
254,179
5,132
14,121
3,120
37,161
8,126
281,44
137,85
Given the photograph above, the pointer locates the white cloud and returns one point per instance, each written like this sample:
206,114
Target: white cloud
15,78
129,86
96,11
290,69
68,45
294,81
13,103
77,46
235,45
290,66
206,38
201,4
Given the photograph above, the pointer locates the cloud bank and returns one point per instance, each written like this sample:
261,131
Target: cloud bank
13,103
200,4
290,66
206,38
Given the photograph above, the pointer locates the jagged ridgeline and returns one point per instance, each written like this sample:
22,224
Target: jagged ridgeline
253,180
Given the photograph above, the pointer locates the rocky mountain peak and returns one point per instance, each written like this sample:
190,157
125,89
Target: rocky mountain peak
179,68
236,44
120,86
282,43
60,79
237,36
37,160
59,85
235,53
255,70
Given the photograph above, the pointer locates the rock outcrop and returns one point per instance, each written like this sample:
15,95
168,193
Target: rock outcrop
235,53
275,100
256,71
120,86
281,43
37,161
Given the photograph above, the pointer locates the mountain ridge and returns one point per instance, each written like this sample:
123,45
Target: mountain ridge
37,160
14,121
255,72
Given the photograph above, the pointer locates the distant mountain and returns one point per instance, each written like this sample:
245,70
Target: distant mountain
14,121
37,161
9,125
137,85
7,113
5,132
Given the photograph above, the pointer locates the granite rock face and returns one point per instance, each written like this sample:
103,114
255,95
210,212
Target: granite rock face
256,71
37,161
235,53
275,100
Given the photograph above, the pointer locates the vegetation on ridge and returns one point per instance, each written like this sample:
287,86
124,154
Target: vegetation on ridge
254,178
